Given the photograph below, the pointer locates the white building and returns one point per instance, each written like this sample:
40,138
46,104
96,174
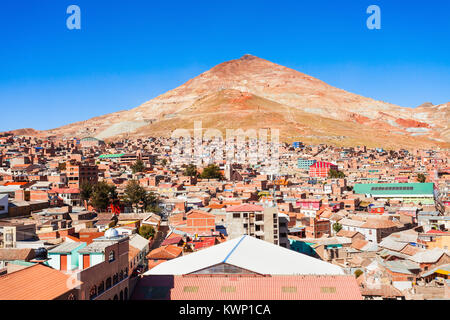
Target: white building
246,255
3,204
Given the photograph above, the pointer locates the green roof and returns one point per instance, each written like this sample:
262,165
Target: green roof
90,139
22,263
394,189
111,156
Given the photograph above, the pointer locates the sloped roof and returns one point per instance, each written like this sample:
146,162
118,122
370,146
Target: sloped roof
138,241
378,224
248,253
37,282
428,256
347,233
331,287
167,252
199,214
391,244
9,254
351,222
172,240
67,247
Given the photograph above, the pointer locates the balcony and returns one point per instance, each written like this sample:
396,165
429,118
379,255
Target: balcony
259,233
259,223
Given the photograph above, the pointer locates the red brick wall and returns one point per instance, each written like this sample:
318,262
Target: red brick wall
38,195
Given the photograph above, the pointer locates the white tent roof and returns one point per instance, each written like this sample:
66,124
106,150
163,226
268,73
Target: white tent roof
251,254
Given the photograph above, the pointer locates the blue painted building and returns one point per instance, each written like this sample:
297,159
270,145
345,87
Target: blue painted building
305,163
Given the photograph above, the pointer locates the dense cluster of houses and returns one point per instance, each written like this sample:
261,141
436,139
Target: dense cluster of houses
347,223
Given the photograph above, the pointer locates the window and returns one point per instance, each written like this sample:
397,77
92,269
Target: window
111,256
245,215
115,279
236,215
328,289
93,292
101,287
108,283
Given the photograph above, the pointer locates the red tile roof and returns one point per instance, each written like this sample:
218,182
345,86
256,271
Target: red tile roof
438,232
173,240
15,183
215,206
219,287
10,254
165,253
65,190
198,214
37,282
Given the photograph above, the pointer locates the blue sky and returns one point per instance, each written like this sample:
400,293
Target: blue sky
128,52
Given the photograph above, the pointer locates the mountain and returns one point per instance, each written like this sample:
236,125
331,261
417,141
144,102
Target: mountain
253,93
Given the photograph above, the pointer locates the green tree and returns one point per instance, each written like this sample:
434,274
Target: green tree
135,193
334,174
337,227
163,162
421,178
358,272
147,231
102,194
151,202
211,172
86,190
138,166
191,170
62,166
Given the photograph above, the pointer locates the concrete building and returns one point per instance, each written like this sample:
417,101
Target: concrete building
257,221
3,204
305,163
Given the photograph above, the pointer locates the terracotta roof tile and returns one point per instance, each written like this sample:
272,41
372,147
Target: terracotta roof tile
37,282
11,254
359,244
166,253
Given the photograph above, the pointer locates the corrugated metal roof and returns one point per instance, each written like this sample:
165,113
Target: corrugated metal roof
67,247
248,253
394,188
